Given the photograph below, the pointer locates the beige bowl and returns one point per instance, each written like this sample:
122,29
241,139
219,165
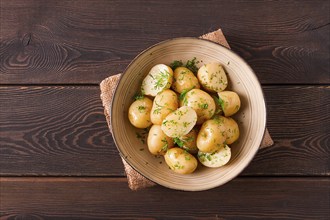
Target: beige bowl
251,117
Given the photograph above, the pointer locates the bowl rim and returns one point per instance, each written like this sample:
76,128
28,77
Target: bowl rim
146,51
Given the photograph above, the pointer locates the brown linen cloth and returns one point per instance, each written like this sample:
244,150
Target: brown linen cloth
135,180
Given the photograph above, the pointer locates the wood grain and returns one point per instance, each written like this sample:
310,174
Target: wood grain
61,131
242,198
299,121
55,131
55,148
85,41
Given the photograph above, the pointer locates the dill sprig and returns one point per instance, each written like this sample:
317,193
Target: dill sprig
190,64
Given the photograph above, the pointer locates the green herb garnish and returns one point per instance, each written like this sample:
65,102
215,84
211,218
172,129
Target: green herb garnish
138,96
219,102
178,166
179,142
158,108
141,108
165,146
218,105
203,106
161,79
218,120
191,65
175,64
187,157
183,94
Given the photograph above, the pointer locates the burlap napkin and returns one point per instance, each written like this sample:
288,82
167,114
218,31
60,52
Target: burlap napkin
135,180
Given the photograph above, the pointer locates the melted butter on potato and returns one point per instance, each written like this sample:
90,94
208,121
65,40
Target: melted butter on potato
163,104
184,80
180,161
158,143
159,78
139,113
212,135
213,77
201,102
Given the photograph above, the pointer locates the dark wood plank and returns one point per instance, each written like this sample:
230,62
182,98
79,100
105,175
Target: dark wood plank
55,131
85,41
242,198
62,131
299,121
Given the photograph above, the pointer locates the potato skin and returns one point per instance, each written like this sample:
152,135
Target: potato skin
163,104
232,130
180,161
213,77
139,113
212,135
184,79
158,143
231,102
189,141
201,102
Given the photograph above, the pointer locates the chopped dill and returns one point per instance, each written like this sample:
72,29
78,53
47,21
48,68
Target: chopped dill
179,142
203,106
161,80
141,108
190,64
219,101
176,63
165,146
138,96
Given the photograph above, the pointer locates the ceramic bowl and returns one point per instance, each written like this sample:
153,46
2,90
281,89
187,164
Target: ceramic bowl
251,117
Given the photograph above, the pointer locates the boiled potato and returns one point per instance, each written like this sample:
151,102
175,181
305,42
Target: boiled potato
212,135
190,119
159,78
139,113
215,159
201,102
164,103
180,161
213,77
180,122
188,142
184,80
230,102
232,130
158,143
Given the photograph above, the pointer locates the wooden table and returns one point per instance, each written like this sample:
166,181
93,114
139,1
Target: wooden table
58,159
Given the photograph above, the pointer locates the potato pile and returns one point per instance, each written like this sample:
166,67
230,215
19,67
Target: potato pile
188,113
